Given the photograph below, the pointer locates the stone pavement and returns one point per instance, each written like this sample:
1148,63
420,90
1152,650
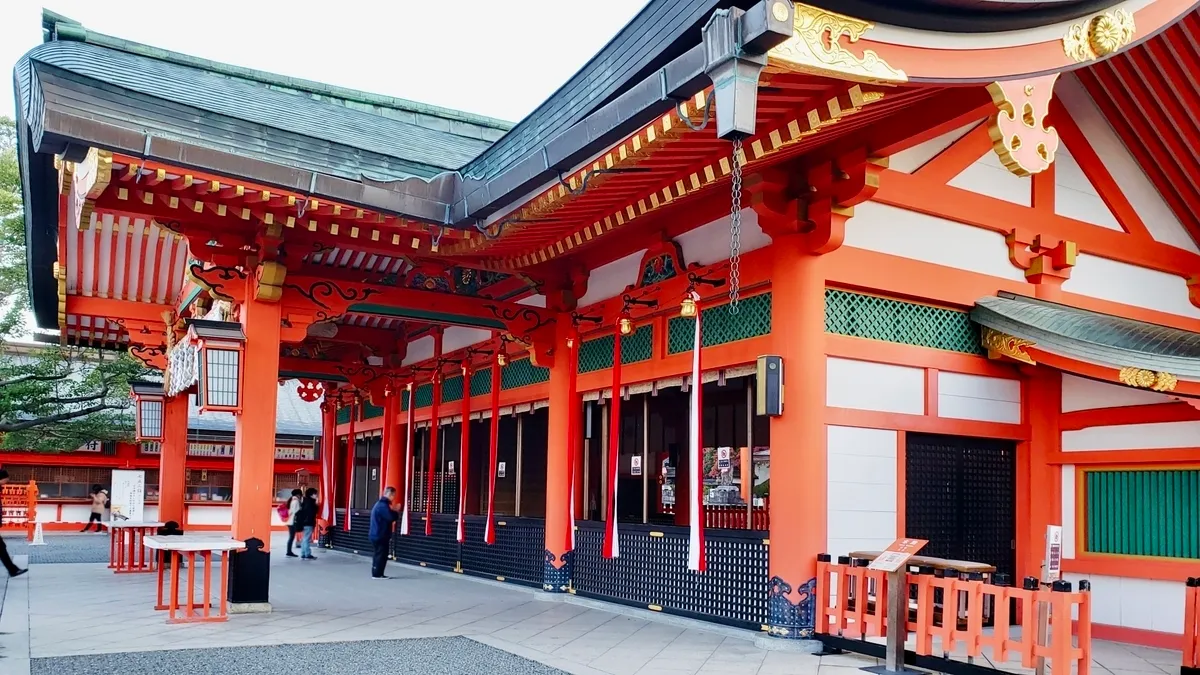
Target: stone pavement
330,612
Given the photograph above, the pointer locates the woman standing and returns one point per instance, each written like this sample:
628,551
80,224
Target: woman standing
306,521
99,503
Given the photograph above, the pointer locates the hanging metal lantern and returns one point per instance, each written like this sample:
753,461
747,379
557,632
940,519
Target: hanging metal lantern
219,383
148,400
501,359
626,326
687,308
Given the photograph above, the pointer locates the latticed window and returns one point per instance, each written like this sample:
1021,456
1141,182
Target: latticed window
719,326
221,366
1143,512
910,323
522,374
597,354
452,389
404,400
343,416
424,395
481,382
151,413
371,411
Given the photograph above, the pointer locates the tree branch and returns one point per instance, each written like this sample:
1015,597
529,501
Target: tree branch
29,378
76,399
51,419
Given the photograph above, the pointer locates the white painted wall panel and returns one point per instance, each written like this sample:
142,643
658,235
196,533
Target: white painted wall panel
1080,393
1158,218
211,515
892,388
1075,196
861,489
987,176
150,513
1068,510
609,281
917,156
975,397
1133,437
709,243
908,234
1106,279
1135,603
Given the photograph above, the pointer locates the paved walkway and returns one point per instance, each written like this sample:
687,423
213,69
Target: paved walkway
329,616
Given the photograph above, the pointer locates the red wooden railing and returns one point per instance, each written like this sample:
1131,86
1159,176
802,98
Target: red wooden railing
1191,628
18,507
732,517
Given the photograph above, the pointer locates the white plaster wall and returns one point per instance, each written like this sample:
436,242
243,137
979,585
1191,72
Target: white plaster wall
211,515
1133,437
709,243
1068,510
1158,218
1135,603
974,397
861,488
1106,279
988,176
1080,393
908,161
1075,196
150,513
890,388
609,281
908,234
71,513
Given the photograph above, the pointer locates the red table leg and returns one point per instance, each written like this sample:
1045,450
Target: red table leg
207,557
160,605
224,582
112,548
176,561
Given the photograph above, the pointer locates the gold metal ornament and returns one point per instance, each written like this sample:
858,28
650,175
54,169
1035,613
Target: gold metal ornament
687,308
1146,379
816,48
1099,36
626,326
1002,344
501,359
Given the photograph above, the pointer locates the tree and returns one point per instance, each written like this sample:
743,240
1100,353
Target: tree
51,397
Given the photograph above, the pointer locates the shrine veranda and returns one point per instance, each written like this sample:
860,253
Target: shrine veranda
931,274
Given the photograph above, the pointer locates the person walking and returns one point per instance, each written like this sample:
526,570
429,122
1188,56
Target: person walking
5,559
99,503
383,517
306,522
293,511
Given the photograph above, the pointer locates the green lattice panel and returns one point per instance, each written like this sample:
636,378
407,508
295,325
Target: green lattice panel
876,318
424,395
343,416
719,326
1143,512
452,389
597,354
481,382
371,411
522,374
404,400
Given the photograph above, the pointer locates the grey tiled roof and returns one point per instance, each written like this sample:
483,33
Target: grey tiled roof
1102,339
293,416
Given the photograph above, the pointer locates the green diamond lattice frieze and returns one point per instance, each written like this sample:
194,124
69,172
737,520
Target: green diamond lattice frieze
404,400
424,395
719,327
371,411
481,382
910,323
452,389
597,354
522,374
343,416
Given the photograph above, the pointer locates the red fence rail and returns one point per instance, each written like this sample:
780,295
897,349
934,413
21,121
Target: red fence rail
852,603
1191,628
732,517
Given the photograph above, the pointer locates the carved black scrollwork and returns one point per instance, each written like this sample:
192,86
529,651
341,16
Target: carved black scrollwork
214,279
147,354
521,321
320,291
367,373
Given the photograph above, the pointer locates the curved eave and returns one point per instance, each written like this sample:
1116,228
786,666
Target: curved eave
1111,342
937,57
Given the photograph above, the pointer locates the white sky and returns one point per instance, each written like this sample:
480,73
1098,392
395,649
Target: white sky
499,58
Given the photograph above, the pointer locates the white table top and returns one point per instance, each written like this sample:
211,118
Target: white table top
192,542
129,523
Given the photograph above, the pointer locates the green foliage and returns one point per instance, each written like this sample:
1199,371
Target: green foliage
51,398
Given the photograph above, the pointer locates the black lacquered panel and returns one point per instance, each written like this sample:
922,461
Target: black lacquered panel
517,554
439,549
356,540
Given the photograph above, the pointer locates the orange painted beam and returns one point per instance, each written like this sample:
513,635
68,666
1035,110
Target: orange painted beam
1127,457
116,309
1133,414
893,276
870,419
961,154
1103,373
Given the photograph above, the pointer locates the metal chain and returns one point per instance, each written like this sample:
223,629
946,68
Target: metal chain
735,229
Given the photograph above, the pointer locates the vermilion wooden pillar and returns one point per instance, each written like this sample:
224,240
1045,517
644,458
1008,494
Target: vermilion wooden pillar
1039,483
254,454
557,571
393,444
172,460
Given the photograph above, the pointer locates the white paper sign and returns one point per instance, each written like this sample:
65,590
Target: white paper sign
723,459
1053,560
635,466
500,469
128,496
450,467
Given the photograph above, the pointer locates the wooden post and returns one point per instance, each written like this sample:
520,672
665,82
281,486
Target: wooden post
172,460
563,401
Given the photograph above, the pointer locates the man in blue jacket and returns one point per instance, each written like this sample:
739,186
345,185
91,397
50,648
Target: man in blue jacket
383,517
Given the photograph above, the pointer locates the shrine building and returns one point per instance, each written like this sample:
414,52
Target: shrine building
761,281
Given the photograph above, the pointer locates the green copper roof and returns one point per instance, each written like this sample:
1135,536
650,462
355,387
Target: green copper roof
1092,337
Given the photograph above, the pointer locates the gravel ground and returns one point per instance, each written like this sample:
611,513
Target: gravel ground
429,656
62,548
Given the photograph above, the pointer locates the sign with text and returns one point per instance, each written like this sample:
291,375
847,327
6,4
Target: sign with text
501,469
635,465
1052,566
723,463
896,555
128,497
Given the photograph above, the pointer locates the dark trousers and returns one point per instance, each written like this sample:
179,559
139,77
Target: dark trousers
380,556
94,518
6,560
292,530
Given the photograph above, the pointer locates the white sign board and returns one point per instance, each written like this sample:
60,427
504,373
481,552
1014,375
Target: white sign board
450,468
500,469
635,467
723,463
1053,560
128,496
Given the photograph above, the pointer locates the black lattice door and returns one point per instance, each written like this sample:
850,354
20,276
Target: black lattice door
960,494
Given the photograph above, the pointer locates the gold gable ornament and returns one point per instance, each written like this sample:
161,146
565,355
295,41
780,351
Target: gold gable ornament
815,48
1147,379
1099,36
1002,344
